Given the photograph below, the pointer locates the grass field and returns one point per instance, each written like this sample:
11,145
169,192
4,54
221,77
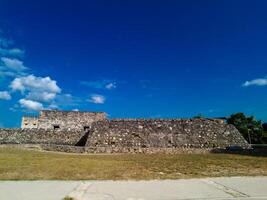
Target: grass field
17,164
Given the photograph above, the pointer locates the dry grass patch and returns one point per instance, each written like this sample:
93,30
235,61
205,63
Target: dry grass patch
17,164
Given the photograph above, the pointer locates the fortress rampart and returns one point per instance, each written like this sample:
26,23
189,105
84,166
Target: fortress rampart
40,136
94,133
195,133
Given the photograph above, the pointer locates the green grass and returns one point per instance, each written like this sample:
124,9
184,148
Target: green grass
18,164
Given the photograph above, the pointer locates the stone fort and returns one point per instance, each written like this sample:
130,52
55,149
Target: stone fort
93,132
70,120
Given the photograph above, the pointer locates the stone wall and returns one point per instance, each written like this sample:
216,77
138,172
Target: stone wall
177,133
69,119
132,136
54,119
29,122
40,136
94,150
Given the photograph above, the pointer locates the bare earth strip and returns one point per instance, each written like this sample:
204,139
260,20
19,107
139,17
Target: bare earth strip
18,164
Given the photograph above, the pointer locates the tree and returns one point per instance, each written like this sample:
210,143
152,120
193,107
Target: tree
199,116
249,127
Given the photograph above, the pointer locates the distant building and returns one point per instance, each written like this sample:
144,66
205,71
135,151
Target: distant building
54,119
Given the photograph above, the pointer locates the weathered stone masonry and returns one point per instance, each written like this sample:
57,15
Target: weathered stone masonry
40,136
71,120
94,133
190,133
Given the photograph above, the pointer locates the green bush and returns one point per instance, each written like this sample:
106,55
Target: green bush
249,127
68,198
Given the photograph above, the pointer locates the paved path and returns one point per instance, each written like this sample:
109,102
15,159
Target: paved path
236,188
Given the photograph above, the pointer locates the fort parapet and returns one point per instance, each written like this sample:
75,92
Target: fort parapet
64,120
94,133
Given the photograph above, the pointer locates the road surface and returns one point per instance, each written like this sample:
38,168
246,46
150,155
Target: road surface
235,188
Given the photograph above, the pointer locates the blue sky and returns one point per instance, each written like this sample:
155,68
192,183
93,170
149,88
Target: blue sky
133,58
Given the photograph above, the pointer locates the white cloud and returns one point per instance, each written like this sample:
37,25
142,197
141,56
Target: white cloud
12,52
64,101
36,90
111,86
10,66
13,64
257,82
100,84
35,84
31,105
4,95
41,96
97,99
7,73
52,106
17,84
67,100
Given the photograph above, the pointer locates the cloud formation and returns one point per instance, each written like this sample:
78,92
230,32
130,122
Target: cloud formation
13,52
36,90
41,96
100,84
4,95
35,84
111,86
256,82
10,64
31,105
67,100
13,64
97,99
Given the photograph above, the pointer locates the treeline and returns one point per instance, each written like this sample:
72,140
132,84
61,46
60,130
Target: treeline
254,131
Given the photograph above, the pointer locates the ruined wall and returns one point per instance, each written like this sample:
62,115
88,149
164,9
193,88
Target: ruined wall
39,136
122,136
177,133
29,122
50,119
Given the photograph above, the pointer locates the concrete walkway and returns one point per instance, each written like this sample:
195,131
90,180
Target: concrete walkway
243,188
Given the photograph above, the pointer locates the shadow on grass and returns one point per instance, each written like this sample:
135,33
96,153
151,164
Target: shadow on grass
261,152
